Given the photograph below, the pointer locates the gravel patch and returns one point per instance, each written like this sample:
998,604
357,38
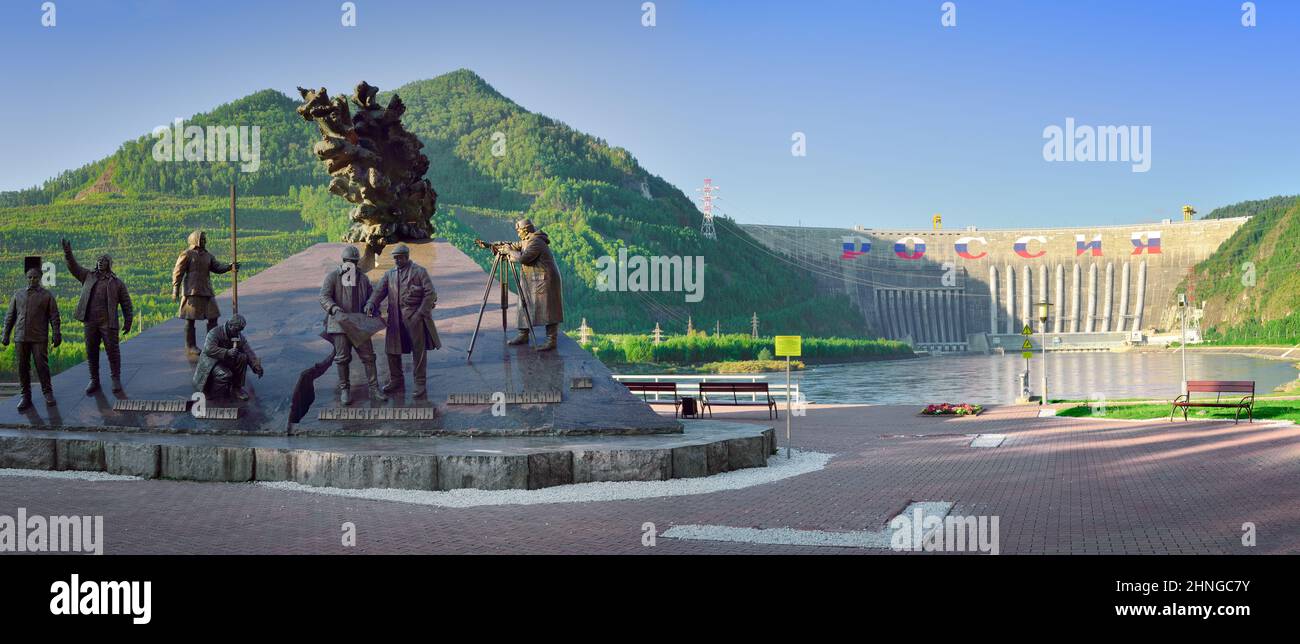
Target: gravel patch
876,539
69,474
778,468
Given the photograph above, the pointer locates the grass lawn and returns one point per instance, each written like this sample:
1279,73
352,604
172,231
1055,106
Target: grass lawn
1264,409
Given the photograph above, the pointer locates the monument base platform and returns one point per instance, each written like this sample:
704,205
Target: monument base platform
439,463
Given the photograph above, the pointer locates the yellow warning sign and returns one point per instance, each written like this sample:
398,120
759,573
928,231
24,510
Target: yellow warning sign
1027,344
1028,354
788,345
1026,330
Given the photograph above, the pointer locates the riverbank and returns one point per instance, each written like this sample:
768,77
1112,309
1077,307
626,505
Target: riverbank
1272,352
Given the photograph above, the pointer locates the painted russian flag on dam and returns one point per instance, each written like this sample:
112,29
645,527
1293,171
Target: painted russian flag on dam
1022,246
863,247
963,247
1152,247
918,245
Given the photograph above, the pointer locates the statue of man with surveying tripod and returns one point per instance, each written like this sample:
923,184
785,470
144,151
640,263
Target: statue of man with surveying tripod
541,288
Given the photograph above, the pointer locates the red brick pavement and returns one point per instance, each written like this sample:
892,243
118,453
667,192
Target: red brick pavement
1058,485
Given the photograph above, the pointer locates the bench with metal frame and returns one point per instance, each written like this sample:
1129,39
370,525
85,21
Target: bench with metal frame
1218,388
646,388
713,393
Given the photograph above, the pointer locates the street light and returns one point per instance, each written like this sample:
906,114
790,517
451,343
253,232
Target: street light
1182,310
1043,307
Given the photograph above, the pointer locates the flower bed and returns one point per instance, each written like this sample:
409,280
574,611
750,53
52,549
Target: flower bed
949,409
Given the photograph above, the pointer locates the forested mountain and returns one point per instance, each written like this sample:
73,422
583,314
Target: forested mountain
493,160
1250,284
1252,208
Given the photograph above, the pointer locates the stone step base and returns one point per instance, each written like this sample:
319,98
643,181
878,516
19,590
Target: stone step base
704,448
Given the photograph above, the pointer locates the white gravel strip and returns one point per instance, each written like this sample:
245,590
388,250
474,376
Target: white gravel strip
988,440
68,474
791,537
778,468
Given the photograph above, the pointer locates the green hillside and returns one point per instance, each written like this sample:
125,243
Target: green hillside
1250,284
590,197
144,237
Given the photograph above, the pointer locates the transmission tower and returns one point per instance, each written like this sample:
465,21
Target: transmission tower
584,333
706,206
659,334
754,321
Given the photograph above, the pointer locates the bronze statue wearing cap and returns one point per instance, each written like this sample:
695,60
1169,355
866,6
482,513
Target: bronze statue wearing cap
347,290
542,286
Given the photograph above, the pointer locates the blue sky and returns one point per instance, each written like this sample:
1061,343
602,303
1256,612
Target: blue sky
903,117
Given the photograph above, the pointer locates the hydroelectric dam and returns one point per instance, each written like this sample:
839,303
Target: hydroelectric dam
975,290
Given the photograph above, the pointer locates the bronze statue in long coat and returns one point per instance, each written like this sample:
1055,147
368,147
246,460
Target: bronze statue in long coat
541,283
409,314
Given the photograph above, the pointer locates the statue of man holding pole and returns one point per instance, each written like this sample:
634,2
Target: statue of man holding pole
192,287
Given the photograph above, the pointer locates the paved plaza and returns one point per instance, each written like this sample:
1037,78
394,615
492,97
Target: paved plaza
1058,486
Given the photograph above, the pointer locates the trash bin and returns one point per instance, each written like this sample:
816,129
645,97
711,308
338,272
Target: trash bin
689,408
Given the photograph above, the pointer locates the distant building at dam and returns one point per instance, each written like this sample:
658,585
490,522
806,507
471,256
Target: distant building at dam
959,290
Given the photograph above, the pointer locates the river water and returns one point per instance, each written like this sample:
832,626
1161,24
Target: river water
994,379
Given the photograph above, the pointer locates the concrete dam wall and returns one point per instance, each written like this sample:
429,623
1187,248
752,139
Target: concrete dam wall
944,289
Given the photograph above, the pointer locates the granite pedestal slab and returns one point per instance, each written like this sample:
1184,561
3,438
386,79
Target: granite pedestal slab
595,433
704,448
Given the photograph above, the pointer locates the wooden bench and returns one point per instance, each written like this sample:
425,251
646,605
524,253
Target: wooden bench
715,393
1218,388
647,388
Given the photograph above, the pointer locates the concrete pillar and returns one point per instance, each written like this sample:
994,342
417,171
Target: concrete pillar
926,311
1141,295
1109,291
956,305
1027,290
1043,297
993,299
940,315
1074,300
1011,300
1060,298
900,310
1092,298
1121,320
882,300
910,310
937,311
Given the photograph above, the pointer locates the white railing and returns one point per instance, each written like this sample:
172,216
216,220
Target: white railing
688,385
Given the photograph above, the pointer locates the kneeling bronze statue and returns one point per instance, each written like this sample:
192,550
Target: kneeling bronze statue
225,361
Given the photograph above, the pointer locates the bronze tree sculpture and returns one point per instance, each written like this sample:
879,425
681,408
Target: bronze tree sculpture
374,163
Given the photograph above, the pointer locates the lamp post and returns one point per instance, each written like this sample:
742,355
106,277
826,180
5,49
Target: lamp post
1043,307
1182,310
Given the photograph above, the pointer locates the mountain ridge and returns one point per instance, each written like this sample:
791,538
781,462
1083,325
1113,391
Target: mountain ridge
490,155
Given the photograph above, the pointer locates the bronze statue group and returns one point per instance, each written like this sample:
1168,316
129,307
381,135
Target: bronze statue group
404,299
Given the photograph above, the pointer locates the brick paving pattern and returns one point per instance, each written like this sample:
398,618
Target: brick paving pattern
1059,486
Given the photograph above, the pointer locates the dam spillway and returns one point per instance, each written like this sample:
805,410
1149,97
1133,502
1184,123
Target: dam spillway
946,290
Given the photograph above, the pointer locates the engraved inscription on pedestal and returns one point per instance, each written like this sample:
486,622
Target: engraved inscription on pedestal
378,413
511,398
174,406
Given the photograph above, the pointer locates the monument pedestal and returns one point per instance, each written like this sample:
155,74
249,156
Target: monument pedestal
596,433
